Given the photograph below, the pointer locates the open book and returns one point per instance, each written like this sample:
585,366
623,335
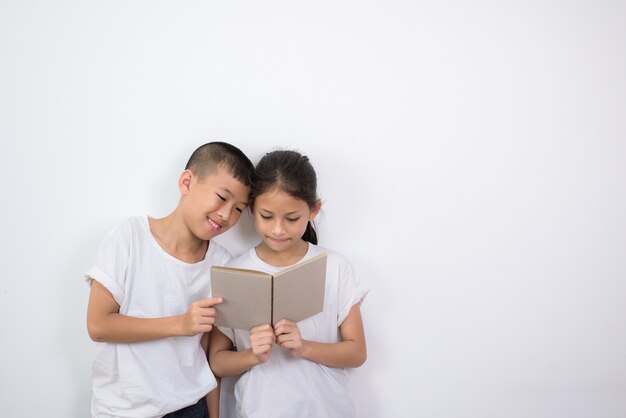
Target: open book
253,297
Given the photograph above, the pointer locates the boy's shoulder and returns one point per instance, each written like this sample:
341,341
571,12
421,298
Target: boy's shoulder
129,226
217,254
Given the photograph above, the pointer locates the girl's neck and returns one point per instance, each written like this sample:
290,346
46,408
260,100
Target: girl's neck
282,258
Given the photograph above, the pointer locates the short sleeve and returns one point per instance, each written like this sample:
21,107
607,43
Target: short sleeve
229,332
112,262
350,291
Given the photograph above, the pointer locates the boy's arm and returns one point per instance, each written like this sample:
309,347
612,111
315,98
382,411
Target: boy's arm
226,362
106,324
349,352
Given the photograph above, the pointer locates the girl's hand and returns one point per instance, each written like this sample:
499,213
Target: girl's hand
288,336
261,342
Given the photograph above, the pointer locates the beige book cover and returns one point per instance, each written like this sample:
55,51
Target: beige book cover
253,297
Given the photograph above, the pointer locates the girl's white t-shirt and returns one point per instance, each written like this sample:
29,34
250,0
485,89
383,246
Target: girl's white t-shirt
294,387
151,378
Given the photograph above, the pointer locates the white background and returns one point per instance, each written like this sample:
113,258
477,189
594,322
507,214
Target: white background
471,158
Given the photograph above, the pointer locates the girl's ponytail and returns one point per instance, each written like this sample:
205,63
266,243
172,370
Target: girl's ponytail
309,234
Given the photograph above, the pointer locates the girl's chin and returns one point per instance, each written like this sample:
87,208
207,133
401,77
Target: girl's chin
278,242
278,245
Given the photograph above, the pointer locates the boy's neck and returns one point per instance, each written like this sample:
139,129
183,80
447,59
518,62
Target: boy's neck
176,239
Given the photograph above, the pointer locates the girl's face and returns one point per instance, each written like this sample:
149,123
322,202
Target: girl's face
281,219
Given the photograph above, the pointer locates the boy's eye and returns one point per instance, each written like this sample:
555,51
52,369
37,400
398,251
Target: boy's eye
221,197
239,210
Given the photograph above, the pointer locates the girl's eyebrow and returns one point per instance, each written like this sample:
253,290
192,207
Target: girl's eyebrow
271,213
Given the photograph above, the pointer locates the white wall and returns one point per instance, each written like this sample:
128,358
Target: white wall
471,156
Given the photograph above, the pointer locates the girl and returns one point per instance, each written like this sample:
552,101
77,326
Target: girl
293,369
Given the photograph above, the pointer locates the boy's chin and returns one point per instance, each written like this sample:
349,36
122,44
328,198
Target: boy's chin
208,235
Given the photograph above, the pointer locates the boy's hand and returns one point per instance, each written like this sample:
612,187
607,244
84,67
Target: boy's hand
261,342
200,317
288,336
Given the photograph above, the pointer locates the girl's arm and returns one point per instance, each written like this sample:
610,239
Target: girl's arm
349,352
213,397
226,362
106,324
213,400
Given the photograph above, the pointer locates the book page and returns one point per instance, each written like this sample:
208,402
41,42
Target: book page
299,290
247,297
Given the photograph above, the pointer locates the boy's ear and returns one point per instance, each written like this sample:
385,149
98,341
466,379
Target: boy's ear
315,210
184,182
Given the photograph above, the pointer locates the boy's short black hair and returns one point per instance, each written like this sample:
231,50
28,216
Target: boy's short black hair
208,157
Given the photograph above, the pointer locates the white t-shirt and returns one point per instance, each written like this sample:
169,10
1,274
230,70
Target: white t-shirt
294,387
151,378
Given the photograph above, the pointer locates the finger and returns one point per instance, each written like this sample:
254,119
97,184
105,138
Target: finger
262,333
202,328
290,345
265,339
207,312
284,321
260,349
264,327
285,329
283,338
208,302
206,320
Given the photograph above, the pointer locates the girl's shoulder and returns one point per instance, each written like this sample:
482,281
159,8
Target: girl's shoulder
333,257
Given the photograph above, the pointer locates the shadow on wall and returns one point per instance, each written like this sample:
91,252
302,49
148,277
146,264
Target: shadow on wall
240,237
78,350
363,389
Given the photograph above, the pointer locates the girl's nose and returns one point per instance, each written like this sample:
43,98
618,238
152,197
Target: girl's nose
277,228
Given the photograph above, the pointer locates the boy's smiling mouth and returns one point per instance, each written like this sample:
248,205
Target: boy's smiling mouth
213,225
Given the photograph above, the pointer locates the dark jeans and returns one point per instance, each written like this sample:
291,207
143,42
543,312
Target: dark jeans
199,410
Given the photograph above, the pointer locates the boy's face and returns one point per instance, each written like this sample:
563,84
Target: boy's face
214,204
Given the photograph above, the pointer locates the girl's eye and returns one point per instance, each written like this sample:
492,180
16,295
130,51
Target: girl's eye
266,217
221,197
293,219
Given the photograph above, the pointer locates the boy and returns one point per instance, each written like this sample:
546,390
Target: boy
149,288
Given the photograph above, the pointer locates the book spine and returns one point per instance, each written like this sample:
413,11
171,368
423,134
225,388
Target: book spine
272,303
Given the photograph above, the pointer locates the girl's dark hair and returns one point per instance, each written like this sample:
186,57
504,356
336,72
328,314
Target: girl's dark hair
292,173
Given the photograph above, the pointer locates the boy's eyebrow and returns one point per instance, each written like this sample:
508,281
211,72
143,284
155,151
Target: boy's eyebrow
227,190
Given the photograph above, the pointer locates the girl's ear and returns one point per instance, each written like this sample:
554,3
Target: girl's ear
315,210
184,182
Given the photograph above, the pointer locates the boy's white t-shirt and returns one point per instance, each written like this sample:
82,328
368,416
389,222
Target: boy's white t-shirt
294,387
151,378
